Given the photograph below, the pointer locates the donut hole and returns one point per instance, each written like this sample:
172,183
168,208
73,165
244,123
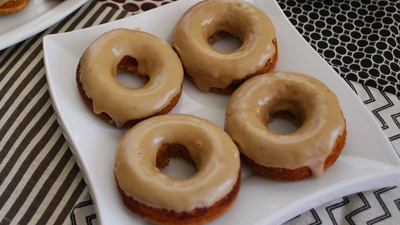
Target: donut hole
285,122
127,74
175,161
224,41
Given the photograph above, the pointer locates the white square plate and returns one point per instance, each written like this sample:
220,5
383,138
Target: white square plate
34,18
368,160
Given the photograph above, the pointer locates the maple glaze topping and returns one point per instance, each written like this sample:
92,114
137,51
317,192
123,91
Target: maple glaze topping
155,58
251,106
196,29
216,157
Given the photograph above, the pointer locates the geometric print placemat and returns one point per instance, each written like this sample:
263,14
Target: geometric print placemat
380,206
369,207
359,39
385,108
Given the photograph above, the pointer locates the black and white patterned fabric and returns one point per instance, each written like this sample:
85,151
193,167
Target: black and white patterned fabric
359,38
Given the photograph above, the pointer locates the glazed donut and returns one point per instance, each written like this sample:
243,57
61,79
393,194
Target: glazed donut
165,200
147,55
205,23
311,149
8,7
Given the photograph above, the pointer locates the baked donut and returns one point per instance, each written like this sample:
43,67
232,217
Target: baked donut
165,200
144,53
308,151
8,7
204,24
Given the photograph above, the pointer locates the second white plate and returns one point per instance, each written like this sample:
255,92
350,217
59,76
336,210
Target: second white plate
34,18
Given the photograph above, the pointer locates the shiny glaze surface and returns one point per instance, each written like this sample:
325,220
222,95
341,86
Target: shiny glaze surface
155,58
209,67
251,106
216,157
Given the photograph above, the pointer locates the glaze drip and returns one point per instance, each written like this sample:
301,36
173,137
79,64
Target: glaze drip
203,24
155,58
215,155
251,106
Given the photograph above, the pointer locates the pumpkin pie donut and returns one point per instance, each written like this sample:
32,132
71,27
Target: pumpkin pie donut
308,151
141,52
164,200
8,7
208,21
